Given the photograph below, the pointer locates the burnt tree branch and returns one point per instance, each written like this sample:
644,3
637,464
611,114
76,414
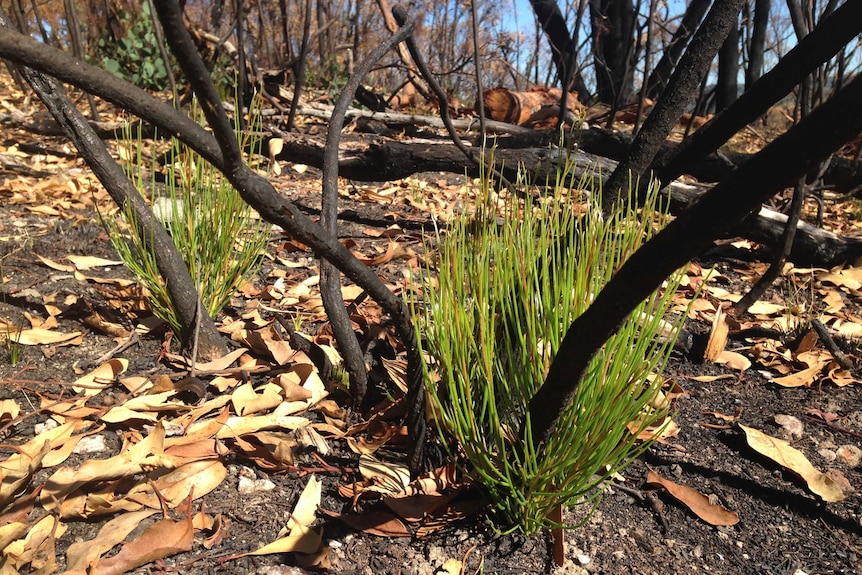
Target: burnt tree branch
260,194
180,286
330,279
680,92
776,167
826,40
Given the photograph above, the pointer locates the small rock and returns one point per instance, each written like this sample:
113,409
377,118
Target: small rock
91,444
827,454
849,454
279,570
583,559
248,485
42,427
840,480
791,425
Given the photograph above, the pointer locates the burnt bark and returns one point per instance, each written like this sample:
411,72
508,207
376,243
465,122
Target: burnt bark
562,46
776,167
660,76
681,91
826,40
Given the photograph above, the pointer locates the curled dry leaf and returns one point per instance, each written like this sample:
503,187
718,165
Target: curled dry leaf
696,501
733,360
790,458
389,478
380,523
36,548
19,467
100,378
815,361
83,554
194,479
8,410
144,456
300,538
162,539
143,407
717,336
246,400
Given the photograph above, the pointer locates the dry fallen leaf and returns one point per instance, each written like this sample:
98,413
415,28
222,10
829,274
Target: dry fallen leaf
717,336
159,540
87,262
8,409
19,467
144,456
81,555
100,378
781,452
696,501
41,336
388,477
301,538
733,360
380,523
36,548
816,361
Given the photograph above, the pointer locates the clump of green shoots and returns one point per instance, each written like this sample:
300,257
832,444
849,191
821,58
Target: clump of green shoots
217,233
510,281
11,338
10,335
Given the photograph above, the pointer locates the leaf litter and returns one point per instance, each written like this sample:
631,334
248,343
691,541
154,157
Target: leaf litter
173,451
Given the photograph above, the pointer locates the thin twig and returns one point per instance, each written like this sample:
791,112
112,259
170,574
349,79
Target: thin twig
782,252
402,16
122,346
830,344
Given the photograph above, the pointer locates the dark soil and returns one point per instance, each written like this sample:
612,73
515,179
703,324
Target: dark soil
783,528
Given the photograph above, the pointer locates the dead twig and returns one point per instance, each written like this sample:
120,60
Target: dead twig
830,344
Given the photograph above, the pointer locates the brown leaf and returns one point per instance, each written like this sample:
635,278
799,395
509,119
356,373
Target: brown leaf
380,523
717,336
159,540
781,452
83,554
696,501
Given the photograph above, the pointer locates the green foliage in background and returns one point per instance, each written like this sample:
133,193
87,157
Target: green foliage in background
219,236
136,57
510,283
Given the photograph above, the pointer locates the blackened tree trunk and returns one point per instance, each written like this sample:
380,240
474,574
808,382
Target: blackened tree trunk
773,169
727,87
680,93
690,21
562,46
287,53
613,49
758,42
826,40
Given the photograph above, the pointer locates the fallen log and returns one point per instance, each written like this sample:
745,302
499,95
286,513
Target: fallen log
382,159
